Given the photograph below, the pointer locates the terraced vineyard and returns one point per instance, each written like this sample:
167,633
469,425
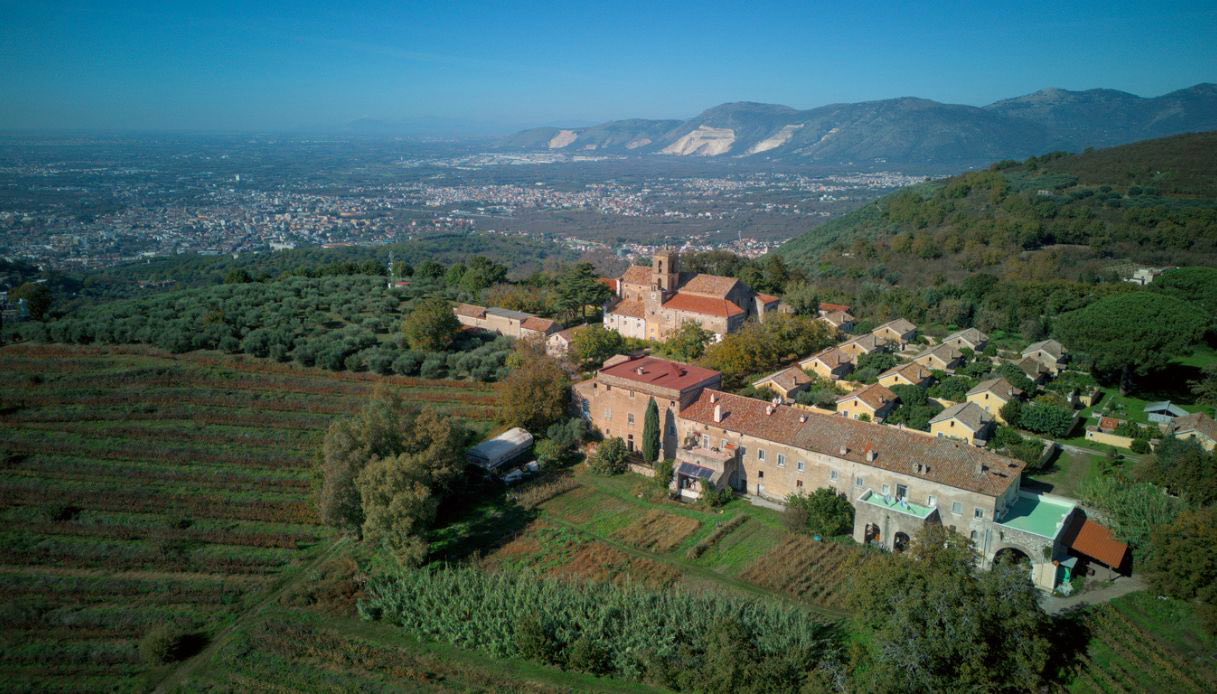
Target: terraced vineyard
819,572
142,488
1141,643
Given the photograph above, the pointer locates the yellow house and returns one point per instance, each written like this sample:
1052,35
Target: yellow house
832,363
965,421
874,401
992,395
911,374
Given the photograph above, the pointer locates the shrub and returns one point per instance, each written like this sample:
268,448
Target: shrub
166,643
611,457
823,512
1140,446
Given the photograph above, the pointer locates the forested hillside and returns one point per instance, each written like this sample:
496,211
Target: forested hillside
1083,217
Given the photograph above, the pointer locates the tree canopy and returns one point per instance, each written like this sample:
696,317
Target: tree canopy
431,326
1132,334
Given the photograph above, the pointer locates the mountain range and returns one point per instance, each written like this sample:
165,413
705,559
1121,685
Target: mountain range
905,130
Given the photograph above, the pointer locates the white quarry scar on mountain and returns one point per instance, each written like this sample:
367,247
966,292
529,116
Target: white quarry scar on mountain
704,141
775,140
562,139
638,142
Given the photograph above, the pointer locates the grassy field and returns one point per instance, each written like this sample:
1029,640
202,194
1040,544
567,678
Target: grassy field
1141,643
142,488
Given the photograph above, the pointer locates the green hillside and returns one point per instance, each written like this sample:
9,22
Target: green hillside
1086,216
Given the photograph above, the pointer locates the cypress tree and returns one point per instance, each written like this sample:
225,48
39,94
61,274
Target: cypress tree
650,433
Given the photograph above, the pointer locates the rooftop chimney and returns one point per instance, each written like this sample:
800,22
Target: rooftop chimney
980,467
718,413
802,419
870,454
844,450
713,398
768,410
640,370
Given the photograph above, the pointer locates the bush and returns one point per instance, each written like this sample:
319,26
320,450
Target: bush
1043,418
1140,446
823,512
610,458
165,643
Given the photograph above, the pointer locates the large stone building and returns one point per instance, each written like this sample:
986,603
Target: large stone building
897,480
616,400
652,303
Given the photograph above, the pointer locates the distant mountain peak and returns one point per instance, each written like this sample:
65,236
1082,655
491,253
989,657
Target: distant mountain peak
907,130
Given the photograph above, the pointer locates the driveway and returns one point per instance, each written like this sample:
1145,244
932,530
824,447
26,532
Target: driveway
1054,604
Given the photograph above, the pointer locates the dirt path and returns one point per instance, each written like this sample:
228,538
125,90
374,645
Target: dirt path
183,671
1054,605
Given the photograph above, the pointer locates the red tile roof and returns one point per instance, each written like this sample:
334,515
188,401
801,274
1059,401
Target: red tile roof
874,395
703,305
471,310
1097,542
945,461
610,282
661,372
766,298
829,308
630,309
637,274
537,323
714,286
1109,423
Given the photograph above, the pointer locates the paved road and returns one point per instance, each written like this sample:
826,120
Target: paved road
1122,586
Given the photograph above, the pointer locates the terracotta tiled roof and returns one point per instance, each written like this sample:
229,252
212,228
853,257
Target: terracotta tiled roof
766,298
831,357
610,282
945,461
637,274
1096,541
709,285
660,372
630,309
1199,422
829,308
1109,423
471,310
874,395
998,386
967,413
868,342
914,372
537,323
837,318
945,352
899,325
1051,347
703,305
786,378
971,335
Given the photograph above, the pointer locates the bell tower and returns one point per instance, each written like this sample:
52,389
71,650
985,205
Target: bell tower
665,273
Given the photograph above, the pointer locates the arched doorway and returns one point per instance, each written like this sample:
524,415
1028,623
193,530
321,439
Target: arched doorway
900,542
1011,555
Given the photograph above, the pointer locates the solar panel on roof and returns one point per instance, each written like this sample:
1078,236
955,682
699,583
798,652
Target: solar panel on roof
697,471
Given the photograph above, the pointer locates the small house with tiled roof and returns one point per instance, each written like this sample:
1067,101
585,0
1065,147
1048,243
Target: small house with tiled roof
833,363
1198,426
860,345
965,421
786,383
992,395
504,321
943,357
911,374
968,338
839,320
1048,353
874,403
897,332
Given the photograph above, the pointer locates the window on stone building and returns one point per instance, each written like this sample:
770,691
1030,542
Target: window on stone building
956,507
781,460
629,419
902,491
629,442
798,483
800,466
979,512
860,482
760,454
931,501
885,490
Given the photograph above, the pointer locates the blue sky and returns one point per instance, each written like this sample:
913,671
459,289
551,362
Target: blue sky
502,65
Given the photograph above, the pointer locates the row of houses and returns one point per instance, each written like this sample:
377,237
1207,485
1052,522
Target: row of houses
897,480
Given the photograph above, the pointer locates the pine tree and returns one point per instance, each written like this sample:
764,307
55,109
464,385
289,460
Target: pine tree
650,433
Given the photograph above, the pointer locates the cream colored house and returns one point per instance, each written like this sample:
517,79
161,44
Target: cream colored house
874,401
942,357
968,338
833,363
787,383
863,344
1198,426
898,332
965,421
911,374
992,395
